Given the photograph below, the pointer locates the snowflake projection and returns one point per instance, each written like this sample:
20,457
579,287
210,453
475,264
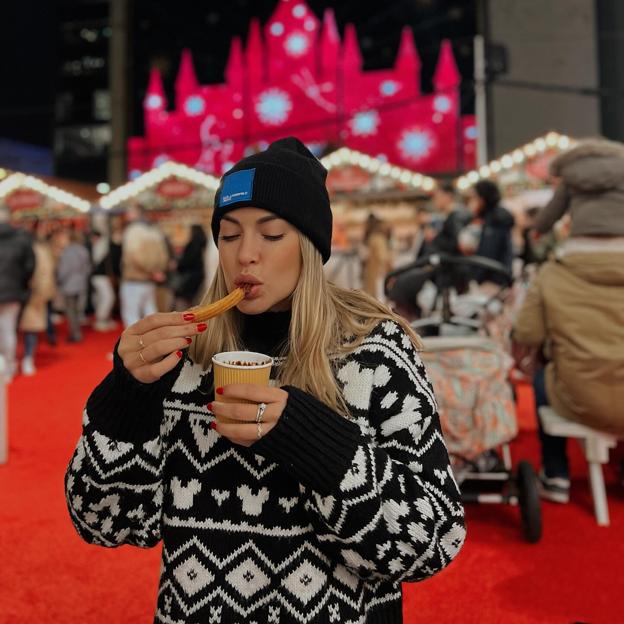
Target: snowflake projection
297,44
299,10
442,104
277,29
471,133
389,87
309,25
194,105
273,107
364,123
415,144
154,101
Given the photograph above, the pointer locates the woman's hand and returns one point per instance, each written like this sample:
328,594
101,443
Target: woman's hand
243,428
153,346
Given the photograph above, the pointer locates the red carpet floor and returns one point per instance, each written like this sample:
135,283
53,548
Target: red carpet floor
47,574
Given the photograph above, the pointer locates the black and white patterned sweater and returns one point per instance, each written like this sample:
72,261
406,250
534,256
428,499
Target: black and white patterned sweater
318,522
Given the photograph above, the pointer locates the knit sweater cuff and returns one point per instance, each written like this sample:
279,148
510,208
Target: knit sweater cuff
125,409
313,442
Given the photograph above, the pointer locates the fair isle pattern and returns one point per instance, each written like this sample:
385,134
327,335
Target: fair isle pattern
245,539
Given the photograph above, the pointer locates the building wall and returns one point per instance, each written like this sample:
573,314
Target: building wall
610,20
550,44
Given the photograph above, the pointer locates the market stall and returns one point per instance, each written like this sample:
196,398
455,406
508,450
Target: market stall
30,198
361,185
176,196
522,174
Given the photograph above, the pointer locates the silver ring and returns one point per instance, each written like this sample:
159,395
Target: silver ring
259,430
260,412
142,358
141,343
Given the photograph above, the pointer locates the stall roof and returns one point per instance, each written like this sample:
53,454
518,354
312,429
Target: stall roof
16,181
155,176
346,156
534,149
84,190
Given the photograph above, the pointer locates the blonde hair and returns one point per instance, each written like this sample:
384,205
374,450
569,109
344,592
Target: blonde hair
327,322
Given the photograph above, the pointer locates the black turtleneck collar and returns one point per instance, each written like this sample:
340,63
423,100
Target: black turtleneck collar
266,332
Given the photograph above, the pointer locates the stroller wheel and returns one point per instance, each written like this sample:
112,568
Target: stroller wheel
529,502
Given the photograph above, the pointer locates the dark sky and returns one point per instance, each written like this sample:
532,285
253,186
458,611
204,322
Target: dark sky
161,28
27,62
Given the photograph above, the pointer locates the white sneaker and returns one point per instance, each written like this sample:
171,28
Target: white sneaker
554,489
28,367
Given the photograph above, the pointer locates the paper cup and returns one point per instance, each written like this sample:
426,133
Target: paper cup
240,367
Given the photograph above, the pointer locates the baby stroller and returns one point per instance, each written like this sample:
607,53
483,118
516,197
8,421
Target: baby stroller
469,370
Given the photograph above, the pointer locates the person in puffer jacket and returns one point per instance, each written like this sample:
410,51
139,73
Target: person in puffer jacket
589,180
17,264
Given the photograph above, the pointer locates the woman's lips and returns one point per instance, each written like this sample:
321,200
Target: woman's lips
252,291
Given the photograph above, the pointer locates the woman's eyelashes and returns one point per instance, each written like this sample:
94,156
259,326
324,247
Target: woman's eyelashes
269,237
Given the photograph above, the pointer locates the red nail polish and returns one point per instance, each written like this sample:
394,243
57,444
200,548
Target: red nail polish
209,406
189,317
188,340
202,327
179,354
213,425
219,390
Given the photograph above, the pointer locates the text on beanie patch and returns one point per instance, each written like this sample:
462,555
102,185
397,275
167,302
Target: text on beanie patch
237,187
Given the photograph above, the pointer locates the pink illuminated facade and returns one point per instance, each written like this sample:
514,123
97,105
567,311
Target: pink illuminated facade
296,77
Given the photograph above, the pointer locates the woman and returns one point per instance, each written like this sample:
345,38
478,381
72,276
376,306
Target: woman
314,508
42,290
190,271
378,260
489,232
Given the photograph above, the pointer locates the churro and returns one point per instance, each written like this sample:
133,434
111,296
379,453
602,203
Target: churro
203,313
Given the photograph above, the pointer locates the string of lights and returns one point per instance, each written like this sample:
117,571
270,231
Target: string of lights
18,181
552,140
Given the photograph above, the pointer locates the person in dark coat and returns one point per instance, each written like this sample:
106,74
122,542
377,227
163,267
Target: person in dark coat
489,232
72,274
17,265
455,218
405,288
190,272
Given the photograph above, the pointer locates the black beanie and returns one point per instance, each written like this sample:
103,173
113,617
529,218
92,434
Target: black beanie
286,179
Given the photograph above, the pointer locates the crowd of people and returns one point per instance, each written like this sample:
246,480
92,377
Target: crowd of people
49,269
571,319
567,331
